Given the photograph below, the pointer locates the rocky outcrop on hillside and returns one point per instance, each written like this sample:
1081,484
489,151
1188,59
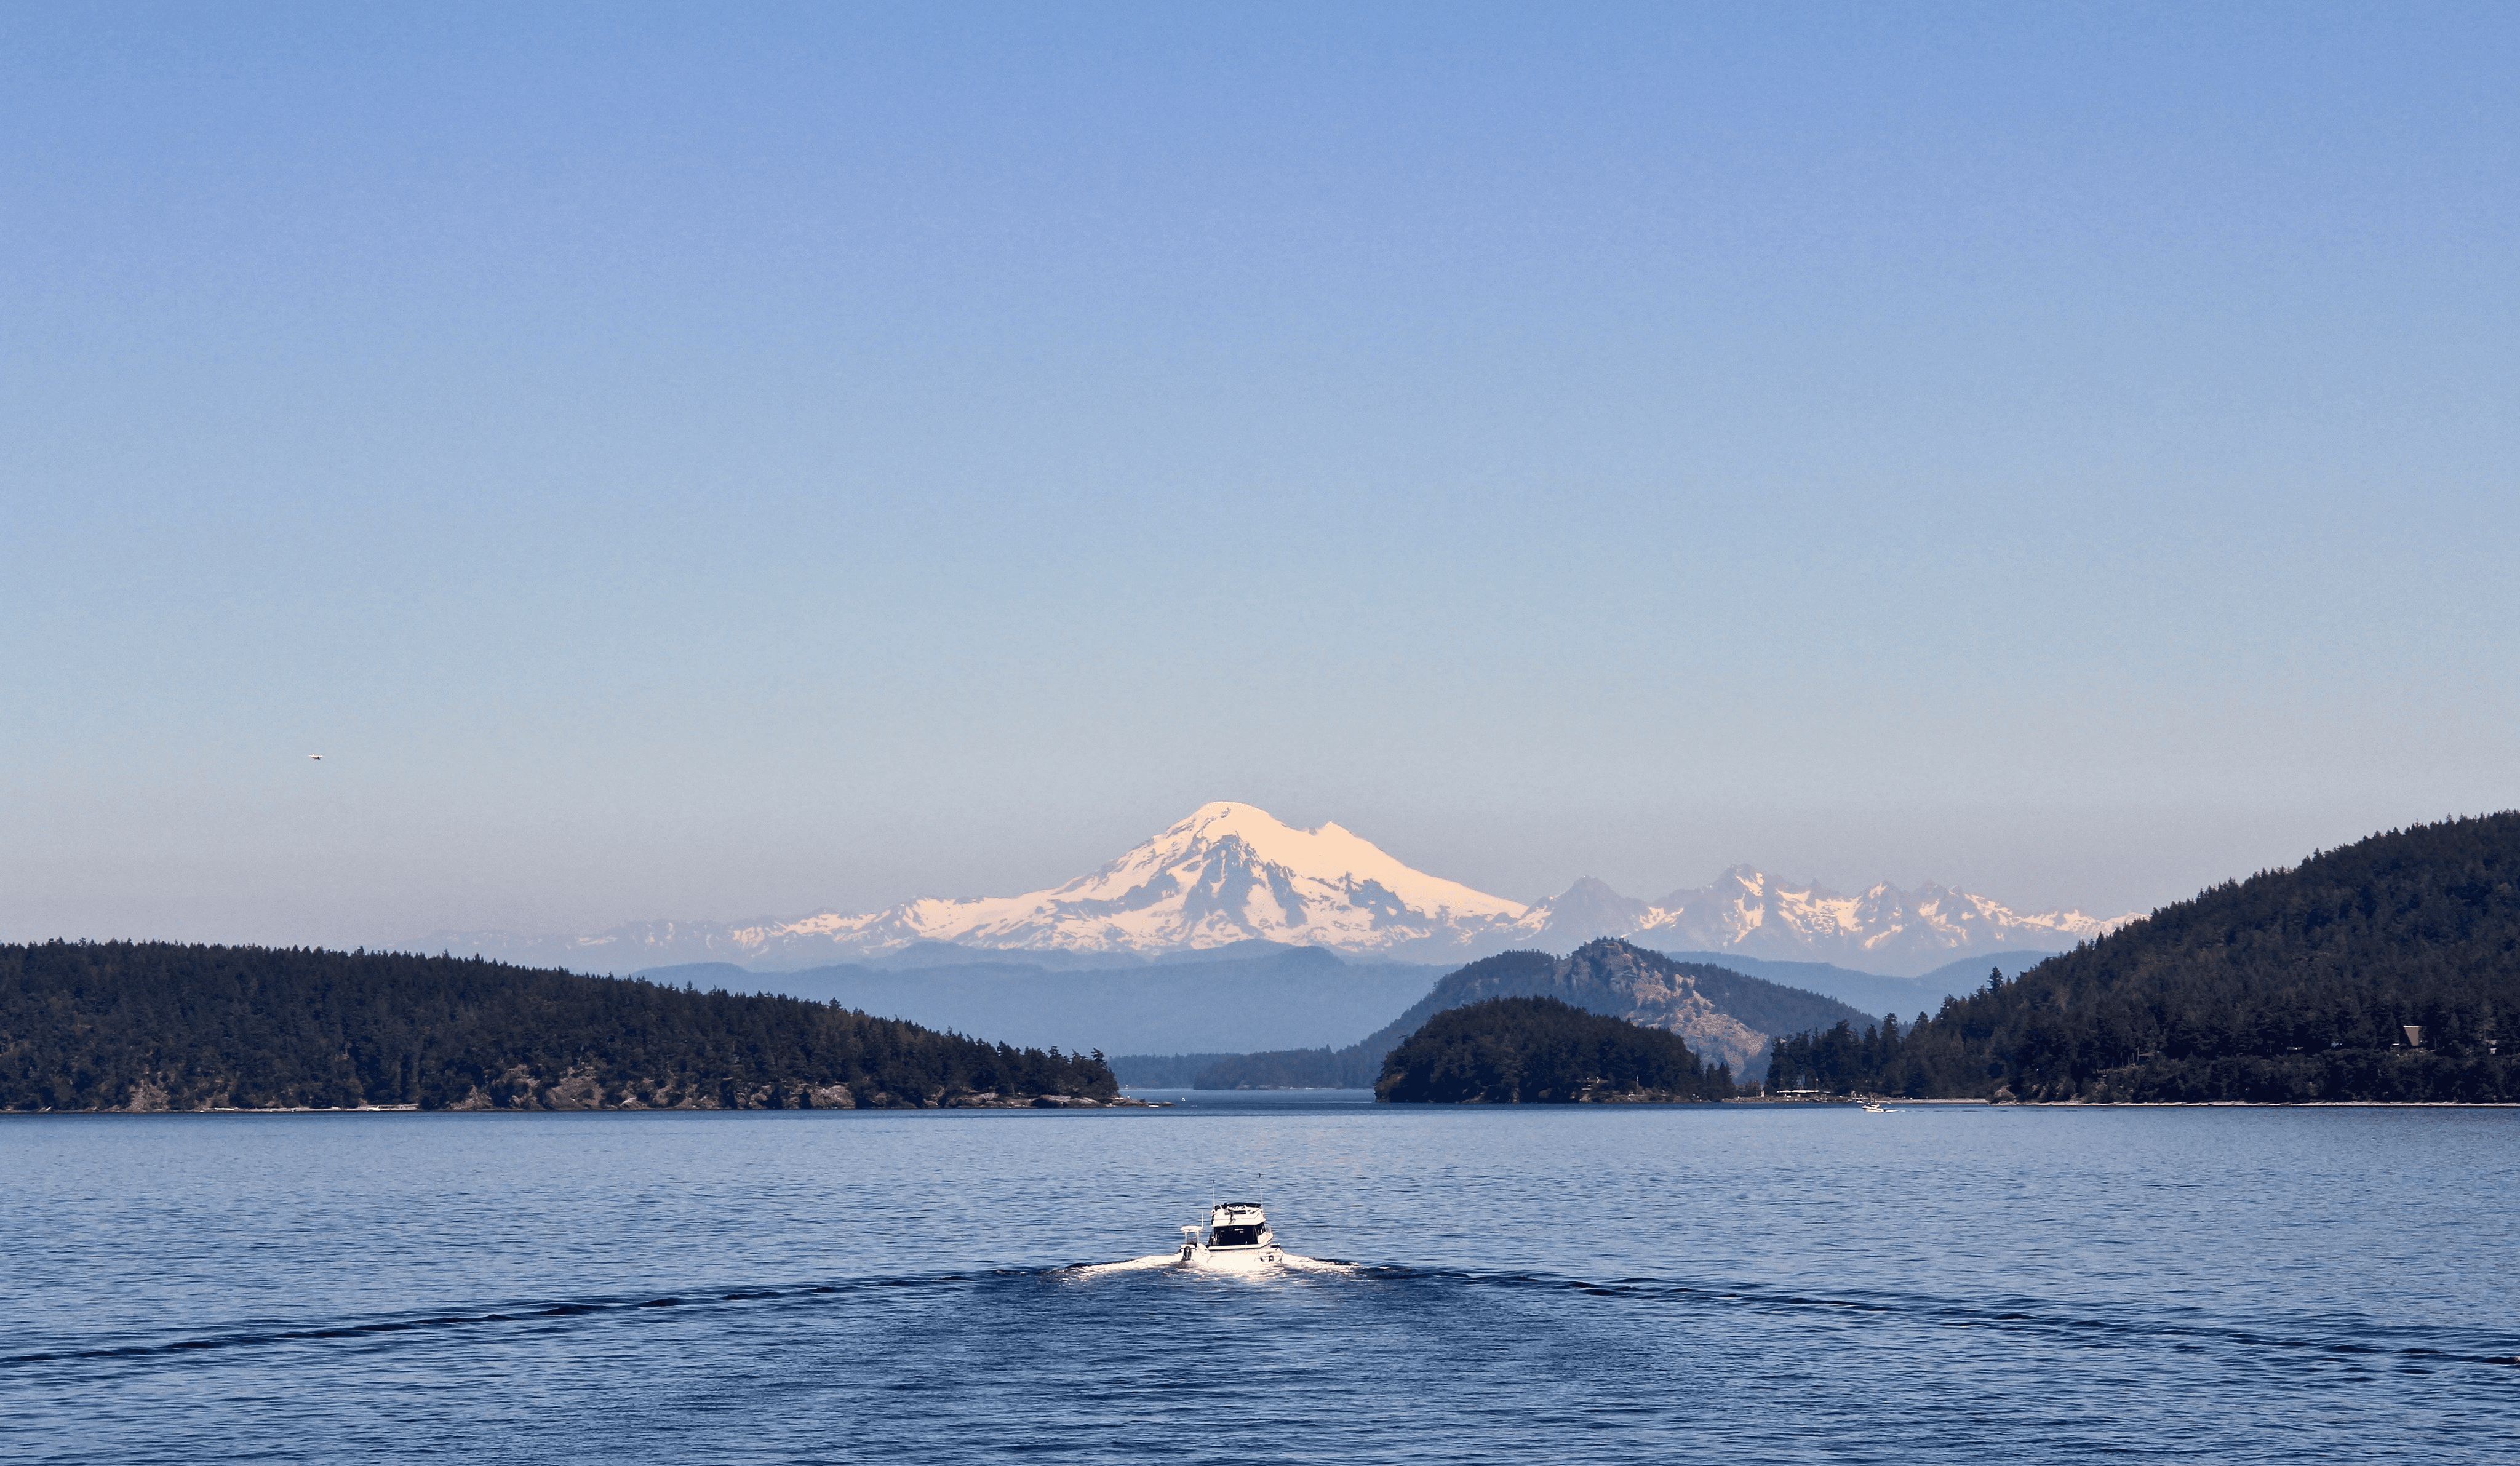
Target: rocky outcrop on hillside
1647,988
1715,1009
1615,979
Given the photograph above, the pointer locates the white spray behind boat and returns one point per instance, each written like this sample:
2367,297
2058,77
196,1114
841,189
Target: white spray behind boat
1237,1239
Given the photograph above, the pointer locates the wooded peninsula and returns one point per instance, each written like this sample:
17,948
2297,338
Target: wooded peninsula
160,1026
2388,970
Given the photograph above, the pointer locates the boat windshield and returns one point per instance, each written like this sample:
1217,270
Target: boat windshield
1233,1236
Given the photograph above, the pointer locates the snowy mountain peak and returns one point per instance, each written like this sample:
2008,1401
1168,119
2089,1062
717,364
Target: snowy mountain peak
1325,854
1264,831
1233,872
1230,872
1589,907
1749,878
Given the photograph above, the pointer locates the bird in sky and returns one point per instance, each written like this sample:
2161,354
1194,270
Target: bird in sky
317,757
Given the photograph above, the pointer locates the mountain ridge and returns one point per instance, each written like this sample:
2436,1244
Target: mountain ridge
1233,873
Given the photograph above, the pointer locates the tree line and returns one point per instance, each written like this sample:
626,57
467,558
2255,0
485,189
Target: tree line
1541,1050
2385,970
121,1025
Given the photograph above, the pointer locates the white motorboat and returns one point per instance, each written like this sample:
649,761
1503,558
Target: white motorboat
1237,1237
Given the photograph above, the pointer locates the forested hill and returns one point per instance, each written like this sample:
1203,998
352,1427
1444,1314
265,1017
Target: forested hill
2386,970
1724,1014
1540,1050
156,1026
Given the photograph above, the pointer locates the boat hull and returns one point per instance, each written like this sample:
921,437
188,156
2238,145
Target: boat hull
1233,1258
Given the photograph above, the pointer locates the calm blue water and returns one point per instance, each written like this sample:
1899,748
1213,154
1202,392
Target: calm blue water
1698,1284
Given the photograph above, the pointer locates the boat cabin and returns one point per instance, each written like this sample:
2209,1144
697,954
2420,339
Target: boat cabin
1237,1223
1238,1236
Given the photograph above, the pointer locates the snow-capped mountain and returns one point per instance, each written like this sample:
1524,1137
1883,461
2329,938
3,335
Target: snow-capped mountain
1232,873
1884,930
1585,910
1228,873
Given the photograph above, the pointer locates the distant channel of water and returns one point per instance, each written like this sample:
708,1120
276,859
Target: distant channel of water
1701,1283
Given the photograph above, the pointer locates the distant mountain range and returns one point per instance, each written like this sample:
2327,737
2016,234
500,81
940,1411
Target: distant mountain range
1746,912
1233,873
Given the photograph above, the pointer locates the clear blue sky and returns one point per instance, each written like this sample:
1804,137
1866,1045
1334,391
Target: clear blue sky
714,461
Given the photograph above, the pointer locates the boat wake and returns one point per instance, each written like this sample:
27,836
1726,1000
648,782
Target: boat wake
1239,1239
1171,1262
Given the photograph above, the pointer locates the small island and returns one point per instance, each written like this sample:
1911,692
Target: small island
1540,1050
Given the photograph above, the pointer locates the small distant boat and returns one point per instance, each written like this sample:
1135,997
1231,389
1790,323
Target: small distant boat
1237,1237
1877,1107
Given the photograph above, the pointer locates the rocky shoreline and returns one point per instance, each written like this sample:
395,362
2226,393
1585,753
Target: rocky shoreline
521,1089
582,1092
580,1089
980,1102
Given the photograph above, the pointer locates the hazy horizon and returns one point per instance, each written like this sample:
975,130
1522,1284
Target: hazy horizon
676,462
406,939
